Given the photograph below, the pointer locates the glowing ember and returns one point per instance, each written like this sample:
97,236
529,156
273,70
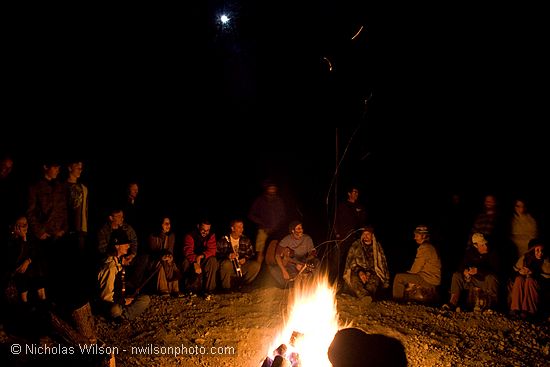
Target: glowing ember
311,325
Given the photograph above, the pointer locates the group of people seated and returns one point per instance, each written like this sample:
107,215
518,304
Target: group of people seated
206,265
476,283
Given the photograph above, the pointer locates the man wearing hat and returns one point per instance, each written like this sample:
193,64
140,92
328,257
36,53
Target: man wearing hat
426,269
478,270
112,283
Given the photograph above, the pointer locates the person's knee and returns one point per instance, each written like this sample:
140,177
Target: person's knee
116,310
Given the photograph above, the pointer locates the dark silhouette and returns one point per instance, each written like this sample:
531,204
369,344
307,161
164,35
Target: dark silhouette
352,347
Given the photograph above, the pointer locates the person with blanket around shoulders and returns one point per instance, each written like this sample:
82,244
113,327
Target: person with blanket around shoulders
366,269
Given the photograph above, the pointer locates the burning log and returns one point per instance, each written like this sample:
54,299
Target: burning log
296,335
280,358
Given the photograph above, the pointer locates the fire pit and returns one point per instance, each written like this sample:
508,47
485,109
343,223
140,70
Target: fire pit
309,327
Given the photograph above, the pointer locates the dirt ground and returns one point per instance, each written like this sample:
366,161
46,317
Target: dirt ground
247,322
240,328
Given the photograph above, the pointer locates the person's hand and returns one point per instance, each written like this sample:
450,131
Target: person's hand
126,260
363,276
23,267
242,261
473,271
44,236
59,234
286,276
128,300
232,256
525,271
198,269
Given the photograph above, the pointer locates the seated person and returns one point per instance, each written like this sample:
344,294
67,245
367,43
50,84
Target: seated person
26,268
200,264
115,303
25,262
366,269
528,282
235,253
425,271
478,269
295,256
160,253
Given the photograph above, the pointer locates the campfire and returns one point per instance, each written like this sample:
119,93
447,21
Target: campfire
309,327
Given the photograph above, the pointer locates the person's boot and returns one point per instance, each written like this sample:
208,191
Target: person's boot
452,304
454,299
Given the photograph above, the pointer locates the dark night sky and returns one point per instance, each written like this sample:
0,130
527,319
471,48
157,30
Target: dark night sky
455,100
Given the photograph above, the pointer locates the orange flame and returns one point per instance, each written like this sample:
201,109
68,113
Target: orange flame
314,317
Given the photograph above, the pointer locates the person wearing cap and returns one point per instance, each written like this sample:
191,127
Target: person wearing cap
112,283
366,268
531,274
426,269
479,270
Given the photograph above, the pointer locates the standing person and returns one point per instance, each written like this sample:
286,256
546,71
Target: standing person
48,221
9,209
350,216
524,227
488,221
200,264
426,269
366,268
235,253
268,213
8,193
116,220
133,209
47,205
77,203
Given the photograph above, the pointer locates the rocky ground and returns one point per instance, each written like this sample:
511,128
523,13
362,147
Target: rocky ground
248,322
241,327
